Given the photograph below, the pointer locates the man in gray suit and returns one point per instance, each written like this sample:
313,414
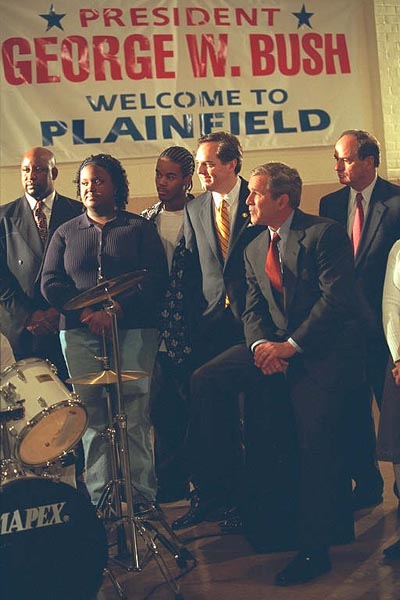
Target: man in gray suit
357,156
26,319
219,160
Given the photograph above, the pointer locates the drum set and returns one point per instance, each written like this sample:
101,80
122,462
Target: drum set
64,544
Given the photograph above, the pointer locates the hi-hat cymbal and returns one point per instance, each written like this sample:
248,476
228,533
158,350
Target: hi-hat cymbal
106,377
104,290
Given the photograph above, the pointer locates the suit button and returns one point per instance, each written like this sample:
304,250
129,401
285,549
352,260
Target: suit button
20,262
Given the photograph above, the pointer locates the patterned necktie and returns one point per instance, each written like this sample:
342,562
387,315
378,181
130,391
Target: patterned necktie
222,226
273,265
358,222
40,220
173,328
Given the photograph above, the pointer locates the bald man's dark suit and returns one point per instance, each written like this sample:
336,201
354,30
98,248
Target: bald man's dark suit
320,315
381,229
21,258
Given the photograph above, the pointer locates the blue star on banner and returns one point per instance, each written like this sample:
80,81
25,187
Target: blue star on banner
304,17
53,19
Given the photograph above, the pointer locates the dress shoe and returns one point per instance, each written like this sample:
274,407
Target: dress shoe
304,567
366,499
232,525
172,494
392,551
199,510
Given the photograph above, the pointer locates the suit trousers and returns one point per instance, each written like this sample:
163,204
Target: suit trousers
301,426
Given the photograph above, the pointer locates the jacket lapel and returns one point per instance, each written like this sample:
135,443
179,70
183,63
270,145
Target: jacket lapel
290,260
207,217
23,222
375,214
242,219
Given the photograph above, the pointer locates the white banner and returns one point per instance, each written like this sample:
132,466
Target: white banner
130,78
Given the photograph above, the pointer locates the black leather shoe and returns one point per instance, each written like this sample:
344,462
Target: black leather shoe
304,567
173,494
392,551
366,500
198,511
232,525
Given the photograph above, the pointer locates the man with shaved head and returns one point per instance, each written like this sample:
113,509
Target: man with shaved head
26,226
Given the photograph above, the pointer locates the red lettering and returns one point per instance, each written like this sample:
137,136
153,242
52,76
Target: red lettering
340,51
68,45
263,61
113,14
215,51
313,65
16,71
221,16
284,57
203,16
139,16
137,67
161,54
42,60
86,15
101,56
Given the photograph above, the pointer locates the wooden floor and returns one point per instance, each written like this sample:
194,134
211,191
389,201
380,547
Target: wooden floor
227,568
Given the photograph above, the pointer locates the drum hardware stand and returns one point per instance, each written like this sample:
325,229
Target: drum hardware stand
110,504
10,468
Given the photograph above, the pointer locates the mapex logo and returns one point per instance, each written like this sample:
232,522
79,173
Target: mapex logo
32,518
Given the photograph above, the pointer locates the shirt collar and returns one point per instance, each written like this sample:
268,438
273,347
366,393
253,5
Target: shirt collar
366,192
48,201
284,229
230,198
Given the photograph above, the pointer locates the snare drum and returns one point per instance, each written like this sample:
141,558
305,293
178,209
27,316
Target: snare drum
54,419
52,543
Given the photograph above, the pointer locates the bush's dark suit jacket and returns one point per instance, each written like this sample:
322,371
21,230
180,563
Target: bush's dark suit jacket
320,314
219,278
21,257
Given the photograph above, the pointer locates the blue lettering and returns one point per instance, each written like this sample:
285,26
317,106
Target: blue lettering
323,120
102,103
278,123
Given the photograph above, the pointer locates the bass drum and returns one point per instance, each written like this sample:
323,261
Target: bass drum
53,546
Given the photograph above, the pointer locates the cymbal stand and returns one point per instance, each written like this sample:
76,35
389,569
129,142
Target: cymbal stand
109,506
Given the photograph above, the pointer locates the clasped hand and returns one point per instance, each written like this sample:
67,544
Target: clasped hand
43,322
271,357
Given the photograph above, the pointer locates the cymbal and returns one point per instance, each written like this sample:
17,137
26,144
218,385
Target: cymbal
103,290
106,377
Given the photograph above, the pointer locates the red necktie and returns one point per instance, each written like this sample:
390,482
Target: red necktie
273,265
40,220
358,222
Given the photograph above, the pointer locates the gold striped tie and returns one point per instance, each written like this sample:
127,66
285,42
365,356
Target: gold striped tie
223,226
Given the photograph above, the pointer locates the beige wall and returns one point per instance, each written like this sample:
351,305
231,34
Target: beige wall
382,22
